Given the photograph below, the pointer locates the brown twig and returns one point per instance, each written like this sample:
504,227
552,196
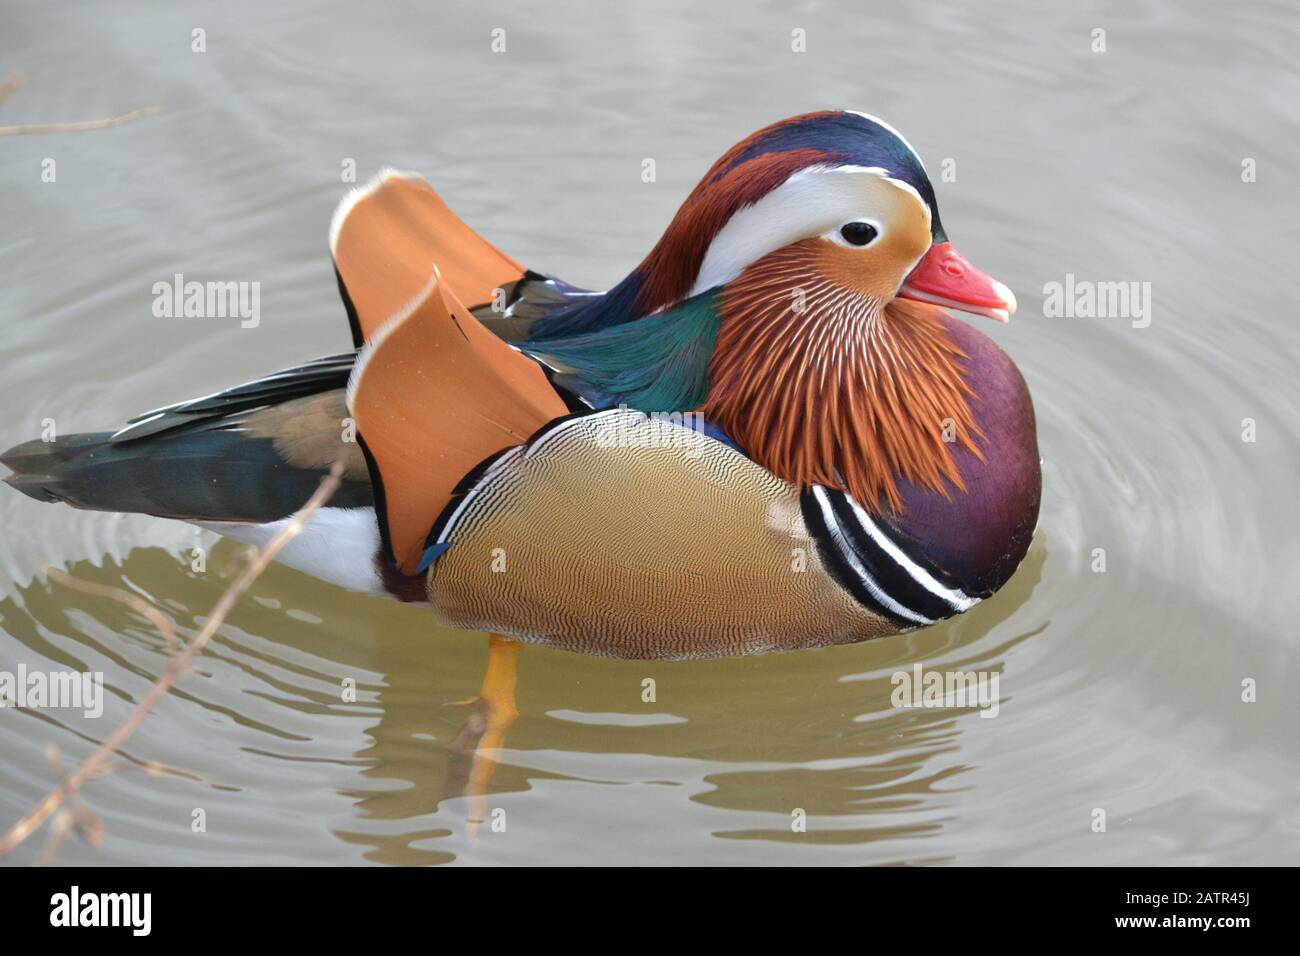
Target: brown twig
79,818
25,827
136,603
88,824
13,82
60,827
78,126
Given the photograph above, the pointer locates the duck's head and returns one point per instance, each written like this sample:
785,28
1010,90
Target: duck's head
833,363
815,249
839,195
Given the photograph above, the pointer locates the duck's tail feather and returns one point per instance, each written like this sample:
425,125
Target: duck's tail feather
254,453
39,467
440,394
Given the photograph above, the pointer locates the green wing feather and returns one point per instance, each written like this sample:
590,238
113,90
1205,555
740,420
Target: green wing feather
656,364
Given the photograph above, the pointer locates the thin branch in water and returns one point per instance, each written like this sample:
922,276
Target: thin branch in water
60,827
136,603
78,126
13,82
91,829
179,664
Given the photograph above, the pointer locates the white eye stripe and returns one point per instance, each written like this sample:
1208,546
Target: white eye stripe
811,202
911,189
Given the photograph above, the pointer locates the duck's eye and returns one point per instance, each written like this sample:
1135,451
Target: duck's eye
858,233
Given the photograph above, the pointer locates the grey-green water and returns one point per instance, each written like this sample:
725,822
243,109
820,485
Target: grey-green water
1121,690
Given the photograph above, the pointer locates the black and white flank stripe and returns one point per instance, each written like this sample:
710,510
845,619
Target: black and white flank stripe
872,565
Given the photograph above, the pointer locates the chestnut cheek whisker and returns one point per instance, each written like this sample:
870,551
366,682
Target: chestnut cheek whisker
847,392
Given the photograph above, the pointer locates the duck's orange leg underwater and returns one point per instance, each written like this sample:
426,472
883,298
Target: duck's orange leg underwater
484,731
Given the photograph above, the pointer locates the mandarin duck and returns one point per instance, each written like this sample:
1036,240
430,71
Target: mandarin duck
769,436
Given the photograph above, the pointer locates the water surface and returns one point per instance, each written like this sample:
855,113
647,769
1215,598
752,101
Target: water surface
1121,689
